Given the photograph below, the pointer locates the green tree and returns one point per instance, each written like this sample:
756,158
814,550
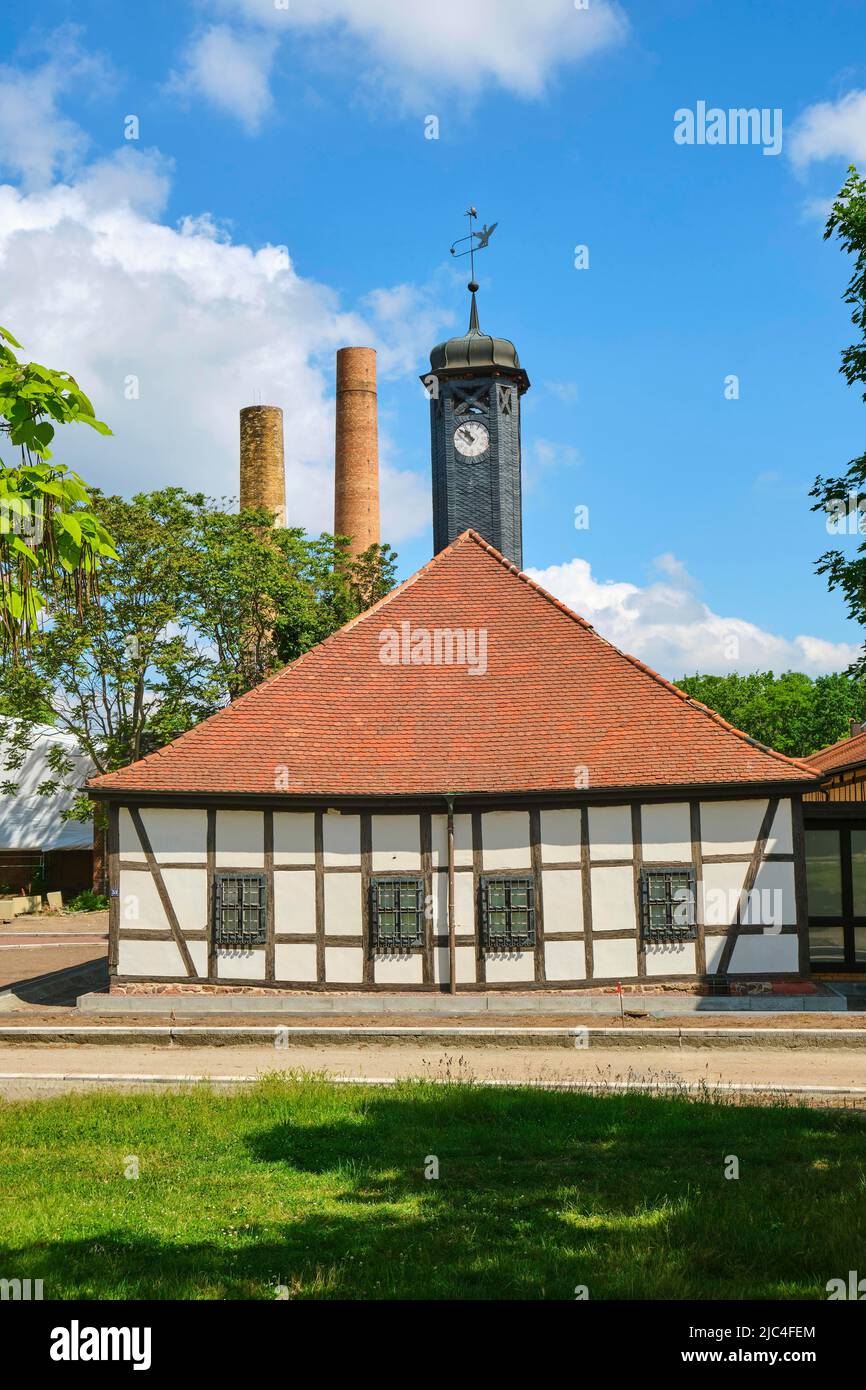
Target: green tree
50,539
792,713
840,498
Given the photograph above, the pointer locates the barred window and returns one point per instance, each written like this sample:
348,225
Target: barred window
668,904
240,910
507,914
396,913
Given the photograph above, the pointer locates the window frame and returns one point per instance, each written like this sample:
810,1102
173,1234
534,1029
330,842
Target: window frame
394,944
670,932
239,940
509,940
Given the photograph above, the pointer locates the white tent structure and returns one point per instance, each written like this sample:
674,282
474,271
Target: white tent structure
29,821
39,850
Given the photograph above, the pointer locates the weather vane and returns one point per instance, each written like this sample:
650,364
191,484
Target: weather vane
477,242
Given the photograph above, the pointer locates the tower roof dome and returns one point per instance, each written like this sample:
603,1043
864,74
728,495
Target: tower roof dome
475,351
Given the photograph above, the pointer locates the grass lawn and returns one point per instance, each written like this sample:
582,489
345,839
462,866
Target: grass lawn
321,1188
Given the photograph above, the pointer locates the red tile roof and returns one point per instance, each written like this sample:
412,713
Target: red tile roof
555,698
848,752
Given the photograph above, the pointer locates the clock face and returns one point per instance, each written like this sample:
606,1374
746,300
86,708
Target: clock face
471,439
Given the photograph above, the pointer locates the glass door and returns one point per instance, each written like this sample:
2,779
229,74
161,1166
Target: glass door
836,887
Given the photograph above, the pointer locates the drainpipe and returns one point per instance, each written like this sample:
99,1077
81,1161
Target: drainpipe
452,941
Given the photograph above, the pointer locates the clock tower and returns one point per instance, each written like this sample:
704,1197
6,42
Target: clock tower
475,384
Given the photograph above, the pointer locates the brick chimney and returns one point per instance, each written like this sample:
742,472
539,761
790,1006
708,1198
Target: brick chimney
263,473
356,472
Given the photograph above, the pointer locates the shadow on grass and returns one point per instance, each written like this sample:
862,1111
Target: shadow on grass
323,1191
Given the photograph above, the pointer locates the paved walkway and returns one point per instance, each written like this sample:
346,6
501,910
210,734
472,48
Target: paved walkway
22,1067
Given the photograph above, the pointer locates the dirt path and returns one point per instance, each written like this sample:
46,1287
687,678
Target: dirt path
827,1068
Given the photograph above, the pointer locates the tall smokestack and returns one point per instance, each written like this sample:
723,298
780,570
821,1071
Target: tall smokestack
356,475
263,473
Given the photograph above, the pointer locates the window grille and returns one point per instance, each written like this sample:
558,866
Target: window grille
240,910
668,904
507,914
396,913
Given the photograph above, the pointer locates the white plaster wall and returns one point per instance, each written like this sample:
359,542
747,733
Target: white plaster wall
560,836
344,965
731,827
440,903
465,960
295,962
139,906
294,837
564,960
764,953
613,899
176,834
464,904
241,965
398,970
773,902
719,893
150,958
198,954
396,843
671,958
563,900
341,839
713,948
187,891
240,839
610,832
512,965
666,832
505,840
613,960
343,904
781,837
462,841
295,901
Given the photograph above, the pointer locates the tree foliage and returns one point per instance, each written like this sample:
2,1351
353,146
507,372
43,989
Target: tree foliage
841,498
201,605
792,713
51,541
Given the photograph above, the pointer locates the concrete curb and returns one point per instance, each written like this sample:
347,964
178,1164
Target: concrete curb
287,1036
503,1002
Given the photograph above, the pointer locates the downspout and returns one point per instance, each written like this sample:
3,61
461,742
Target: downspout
452,940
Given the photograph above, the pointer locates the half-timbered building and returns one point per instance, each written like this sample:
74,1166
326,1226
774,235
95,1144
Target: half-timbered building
466,787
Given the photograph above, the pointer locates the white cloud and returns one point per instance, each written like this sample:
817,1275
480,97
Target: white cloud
830,130
669,628
92,281
231,70
36,140
424,50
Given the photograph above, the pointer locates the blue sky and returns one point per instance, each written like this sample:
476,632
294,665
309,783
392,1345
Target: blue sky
303,128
